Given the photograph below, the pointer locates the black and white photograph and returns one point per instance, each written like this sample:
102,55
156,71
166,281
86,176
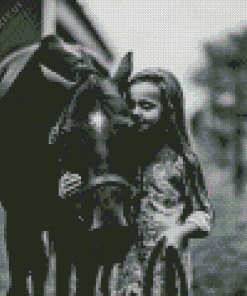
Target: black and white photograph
123,128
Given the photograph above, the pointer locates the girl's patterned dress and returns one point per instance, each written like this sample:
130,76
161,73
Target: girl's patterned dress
171,191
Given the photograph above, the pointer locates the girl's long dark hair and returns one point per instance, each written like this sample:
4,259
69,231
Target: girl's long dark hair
171,126
171,130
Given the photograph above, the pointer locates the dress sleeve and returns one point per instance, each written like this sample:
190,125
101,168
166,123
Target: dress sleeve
201,209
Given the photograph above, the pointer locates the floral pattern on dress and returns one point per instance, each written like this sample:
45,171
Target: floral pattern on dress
161,208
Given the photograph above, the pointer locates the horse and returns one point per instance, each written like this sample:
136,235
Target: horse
28,110
31,80
32,96
97,217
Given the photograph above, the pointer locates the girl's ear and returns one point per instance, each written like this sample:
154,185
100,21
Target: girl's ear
124,69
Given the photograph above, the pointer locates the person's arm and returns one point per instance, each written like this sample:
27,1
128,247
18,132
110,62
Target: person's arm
203,215
174,236
197,223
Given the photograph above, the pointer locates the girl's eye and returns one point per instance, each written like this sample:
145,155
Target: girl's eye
147,106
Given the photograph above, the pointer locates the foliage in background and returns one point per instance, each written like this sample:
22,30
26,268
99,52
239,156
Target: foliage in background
220,134
225,76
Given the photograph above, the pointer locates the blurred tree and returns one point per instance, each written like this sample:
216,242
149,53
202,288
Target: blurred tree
220,131
225,75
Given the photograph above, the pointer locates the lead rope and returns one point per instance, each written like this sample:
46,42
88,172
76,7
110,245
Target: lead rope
172,264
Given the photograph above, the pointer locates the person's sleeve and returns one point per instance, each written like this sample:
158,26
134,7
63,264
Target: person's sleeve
202,214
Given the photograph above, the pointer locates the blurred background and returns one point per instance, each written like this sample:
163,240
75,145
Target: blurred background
204,43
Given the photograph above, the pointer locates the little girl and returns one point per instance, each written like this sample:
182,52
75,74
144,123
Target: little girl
174,204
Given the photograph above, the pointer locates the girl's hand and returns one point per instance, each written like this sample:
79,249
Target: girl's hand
68,184
173,236
200,219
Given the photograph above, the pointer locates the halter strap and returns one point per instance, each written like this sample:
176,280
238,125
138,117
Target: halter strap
107,179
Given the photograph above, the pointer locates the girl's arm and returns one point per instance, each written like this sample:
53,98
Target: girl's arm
202,215
197,223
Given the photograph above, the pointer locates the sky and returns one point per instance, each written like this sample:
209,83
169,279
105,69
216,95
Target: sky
167,34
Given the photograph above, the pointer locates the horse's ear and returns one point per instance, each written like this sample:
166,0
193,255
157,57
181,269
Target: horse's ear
124,69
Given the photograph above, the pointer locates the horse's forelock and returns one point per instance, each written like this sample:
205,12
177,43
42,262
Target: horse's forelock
106,90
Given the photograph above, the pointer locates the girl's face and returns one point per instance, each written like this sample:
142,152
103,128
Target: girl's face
145,105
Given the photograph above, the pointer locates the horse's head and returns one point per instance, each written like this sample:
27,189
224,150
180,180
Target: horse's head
98,101
99,108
